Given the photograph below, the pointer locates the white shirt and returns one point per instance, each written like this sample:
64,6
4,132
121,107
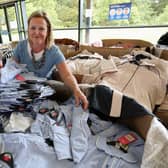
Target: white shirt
37,55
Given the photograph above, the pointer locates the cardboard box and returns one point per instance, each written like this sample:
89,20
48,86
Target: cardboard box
125,43
106,51
161,53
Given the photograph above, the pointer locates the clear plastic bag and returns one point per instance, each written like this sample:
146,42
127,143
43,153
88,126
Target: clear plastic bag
10,70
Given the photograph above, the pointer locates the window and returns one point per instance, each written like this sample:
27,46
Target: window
12,17
88,20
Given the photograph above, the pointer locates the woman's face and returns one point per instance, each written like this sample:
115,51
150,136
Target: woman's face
37,31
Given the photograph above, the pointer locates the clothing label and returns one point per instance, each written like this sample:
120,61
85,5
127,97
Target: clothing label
19,77
127,139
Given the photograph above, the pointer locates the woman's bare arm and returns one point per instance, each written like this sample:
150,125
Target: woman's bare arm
71,82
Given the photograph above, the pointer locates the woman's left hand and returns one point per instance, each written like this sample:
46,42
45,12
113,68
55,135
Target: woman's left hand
81,98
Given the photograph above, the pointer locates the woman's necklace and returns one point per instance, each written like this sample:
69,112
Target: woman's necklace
38,63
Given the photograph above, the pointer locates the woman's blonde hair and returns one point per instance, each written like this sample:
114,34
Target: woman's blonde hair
42,14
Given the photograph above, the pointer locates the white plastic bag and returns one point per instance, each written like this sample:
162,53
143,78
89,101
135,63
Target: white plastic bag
10,70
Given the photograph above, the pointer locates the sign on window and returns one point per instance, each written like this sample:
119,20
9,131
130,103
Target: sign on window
119,11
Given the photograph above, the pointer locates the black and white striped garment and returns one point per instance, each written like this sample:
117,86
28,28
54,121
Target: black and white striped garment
113,103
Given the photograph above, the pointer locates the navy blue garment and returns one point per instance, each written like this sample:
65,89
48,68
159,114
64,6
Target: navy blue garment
163,40
101,97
